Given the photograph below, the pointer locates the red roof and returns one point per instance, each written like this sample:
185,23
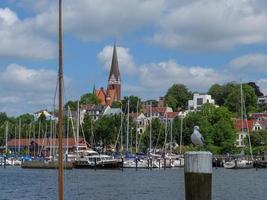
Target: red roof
246,123
44,142
172,115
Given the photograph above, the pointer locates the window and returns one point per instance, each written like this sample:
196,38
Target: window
199,101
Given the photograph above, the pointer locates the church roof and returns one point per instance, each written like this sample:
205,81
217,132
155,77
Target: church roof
114,69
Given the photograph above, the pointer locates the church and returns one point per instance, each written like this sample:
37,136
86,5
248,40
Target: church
113,91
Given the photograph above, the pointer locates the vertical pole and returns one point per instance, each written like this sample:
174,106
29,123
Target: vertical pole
121,130
122,163
95,163
198,175
136,163
60,77
6,136
19,134
136,133
150,129
15,149
127,136
78,127
181,136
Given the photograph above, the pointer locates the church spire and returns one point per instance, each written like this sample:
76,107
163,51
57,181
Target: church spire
114,74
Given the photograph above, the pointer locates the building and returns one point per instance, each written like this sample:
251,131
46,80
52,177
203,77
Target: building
242,130
94,111
113,91
262,101
45,113
199,100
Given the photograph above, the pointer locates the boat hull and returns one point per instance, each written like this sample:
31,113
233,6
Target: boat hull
44,165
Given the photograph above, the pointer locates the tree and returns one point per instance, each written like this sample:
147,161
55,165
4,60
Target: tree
177,96
3,118
215,125
256,89
25,118
89,98
71,104
134,101
216,92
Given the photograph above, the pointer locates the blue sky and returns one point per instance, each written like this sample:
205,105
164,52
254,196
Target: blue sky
159,42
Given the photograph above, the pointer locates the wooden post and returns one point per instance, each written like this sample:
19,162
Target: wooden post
164,163
198,175
122,164
95,163
5,162
151,164
148,163
136,162
159,162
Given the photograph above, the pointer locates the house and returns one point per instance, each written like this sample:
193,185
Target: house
262,101
242,128
45,113
94,111
112,111
198,100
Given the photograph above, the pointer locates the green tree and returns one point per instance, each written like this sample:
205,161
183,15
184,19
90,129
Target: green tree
216,127
3,118
177,96
216,92
134,101
89,98
72,105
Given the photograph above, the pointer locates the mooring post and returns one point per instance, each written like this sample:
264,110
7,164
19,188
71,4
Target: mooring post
136,161
164,163
4,161
151,164
122,162
95,163
148,163
198,175
159,162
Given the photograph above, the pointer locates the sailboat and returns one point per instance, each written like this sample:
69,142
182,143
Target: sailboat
240,162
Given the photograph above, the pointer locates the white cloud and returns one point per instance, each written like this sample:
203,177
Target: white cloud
93,20
20,39
250,62
212,25
160,76
125,59
27,90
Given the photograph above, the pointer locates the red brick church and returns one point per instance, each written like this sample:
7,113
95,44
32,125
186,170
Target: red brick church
113,91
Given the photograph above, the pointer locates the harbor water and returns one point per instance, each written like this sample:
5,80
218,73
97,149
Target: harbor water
29,184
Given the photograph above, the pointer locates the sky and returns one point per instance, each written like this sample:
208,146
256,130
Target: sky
159,43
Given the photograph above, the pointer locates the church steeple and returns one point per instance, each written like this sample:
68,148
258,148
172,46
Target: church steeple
114,73
114,80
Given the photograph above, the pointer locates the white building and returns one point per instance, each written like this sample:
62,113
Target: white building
262,101
199,100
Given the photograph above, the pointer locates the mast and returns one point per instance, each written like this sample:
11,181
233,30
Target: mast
150,128
19,134
171,138
60,76
121,129
127,136
166,129
244,116
136,132
181,136
6,135
78,127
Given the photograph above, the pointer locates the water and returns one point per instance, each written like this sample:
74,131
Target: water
28,184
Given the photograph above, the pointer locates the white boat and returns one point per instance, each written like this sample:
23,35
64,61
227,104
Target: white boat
238,164
131,163
92,159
